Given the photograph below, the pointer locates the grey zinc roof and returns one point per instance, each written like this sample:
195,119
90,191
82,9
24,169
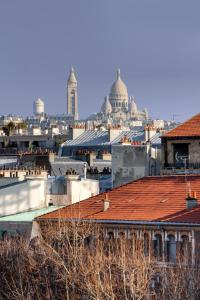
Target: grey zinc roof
94,138
89,138
156,139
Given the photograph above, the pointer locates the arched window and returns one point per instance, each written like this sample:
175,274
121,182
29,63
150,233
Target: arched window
146,244
133,240
185,249
5,235
110,235
158,246
171,249
121,235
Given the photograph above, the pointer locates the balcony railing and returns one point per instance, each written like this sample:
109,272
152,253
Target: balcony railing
182,165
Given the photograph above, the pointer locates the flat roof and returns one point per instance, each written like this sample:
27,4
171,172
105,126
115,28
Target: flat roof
28,216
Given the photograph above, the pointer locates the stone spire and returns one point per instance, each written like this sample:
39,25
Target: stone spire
72,95
72,77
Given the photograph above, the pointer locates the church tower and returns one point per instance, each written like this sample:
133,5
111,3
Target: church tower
72,95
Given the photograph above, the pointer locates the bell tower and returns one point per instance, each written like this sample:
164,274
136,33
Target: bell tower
72,95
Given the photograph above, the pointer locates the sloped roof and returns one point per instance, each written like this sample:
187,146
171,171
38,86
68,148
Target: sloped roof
97,137
152,199
190,128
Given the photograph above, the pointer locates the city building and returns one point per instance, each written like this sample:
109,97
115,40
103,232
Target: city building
133,160
22,190
27,193
161,211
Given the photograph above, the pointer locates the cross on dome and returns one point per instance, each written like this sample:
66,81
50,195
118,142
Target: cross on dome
118,73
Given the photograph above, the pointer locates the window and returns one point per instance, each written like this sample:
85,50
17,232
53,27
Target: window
185,249
158,246
181,153
121,235
110,235
171,249
146,244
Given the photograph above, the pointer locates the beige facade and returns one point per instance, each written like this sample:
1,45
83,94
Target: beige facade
165,242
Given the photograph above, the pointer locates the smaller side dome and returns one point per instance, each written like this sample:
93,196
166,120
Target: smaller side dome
133,106
106,107
39,101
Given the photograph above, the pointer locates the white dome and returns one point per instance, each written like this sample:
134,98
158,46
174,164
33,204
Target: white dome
118,90
39,101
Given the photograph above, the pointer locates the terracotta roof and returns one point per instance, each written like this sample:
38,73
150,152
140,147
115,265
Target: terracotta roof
187,216
190,128
157,198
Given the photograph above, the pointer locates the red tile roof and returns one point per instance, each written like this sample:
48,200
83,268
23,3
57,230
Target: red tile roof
190,128
157,198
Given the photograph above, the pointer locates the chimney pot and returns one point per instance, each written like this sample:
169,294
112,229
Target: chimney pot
106,203
191,200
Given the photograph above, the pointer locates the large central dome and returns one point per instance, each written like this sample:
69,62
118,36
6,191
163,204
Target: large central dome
118,90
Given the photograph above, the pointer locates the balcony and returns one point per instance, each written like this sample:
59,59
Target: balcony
181,168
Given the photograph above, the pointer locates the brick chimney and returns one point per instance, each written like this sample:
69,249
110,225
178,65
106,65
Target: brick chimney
191,200
106,203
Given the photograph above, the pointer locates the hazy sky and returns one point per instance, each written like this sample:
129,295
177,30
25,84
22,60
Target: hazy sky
156,44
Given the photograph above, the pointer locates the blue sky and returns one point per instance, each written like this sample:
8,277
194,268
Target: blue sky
156,44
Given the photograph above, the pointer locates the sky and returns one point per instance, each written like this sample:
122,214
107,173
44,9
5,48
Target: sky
155,43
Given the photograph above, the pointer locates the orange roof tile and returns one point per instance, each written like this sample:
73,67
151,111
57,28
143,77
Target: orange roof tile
156,198
190,128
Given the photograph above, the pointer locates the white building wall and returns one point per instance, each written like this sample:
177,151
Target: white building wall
77,190
129,163
83,189
23,196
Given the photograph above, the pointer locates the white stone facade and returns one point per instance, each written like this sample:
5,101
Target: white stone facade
119,106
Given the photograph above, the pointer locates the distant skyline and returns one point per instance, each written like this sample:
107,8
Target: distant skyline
156,45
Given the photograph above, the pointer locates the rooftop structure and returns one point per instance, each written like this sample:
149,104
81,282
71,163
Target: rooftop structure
180,148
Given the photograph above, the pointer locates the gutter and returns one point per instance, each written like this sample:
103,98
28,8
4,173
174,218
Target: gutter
156,223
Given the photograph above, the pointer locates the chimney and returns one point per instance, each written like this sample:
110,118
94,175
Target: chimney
149,132
106,203
75,131
191,200
113,132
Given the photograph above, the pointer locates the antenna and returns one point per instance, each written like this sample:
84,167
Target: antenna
188,186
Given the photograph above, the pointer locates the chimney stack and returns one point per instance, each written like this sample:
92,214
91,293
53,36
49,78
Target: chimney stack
191,200
106,203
